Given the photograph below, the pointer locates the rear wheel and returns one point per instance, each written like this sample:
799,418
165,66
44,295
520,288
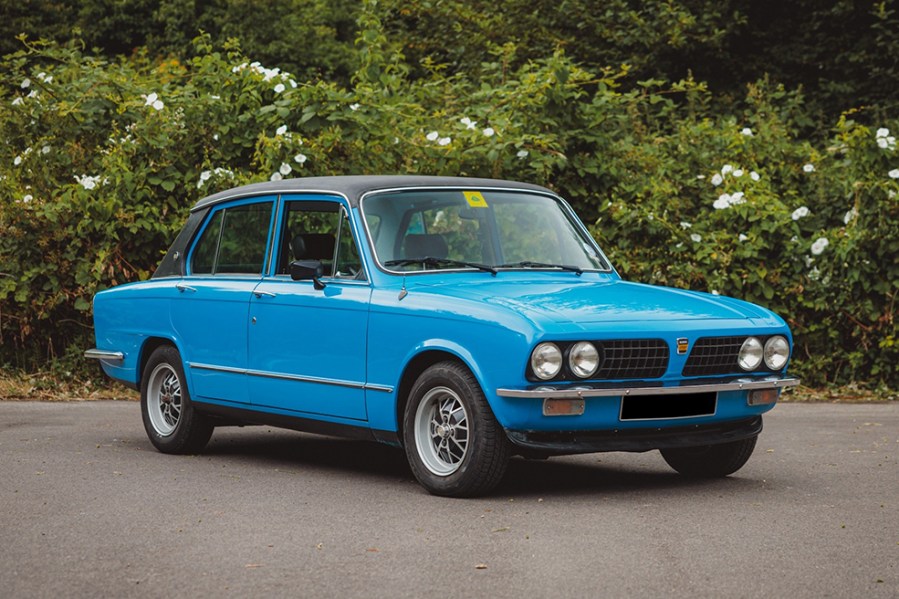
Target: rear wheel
454,444
710,461
171,422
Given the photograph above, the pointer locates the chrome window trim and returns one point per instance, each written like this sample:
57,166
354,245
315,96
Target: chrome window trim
582,391
292,377
565,207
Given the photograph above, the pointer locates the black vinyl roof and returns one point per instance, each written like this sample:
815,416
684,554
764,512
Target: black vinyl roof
354,187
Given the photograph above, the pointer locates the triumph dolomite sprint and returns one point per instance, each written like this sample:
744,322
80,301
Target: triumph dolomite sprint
465,320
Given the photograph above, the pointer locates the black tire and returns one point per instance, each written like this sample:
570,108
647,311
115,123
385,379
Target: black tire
171,422
710,461
454,444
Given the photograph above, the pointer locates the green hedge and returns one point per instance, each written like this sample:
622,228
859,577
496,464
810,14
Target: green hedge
101,162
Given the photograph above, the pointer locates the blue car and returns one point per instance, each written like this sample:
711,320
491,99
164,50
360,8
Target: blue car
465,320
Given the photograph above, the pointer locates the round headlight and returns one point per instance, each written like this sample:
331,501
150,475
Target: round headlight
583,359
777,352
750,355
546,361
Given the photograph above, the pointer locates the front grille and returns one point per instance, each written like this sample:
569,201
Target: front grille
632,359
714,355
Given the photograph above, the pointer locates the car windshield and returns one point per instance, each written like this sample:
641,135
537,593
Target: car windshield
477,229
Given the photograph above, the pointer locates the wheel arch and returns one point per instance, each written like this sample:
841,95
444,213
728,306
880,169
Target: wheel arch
417,365
150,345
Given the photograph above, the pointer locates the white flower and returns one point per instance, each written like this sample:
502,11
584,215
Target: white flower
700,177
299,158
87,181
850,215
809,168
27,198
26,83
470,124
717,179
204,176
715,292
883,143
685,225
33,94
45,150
737,198
215,137
738,172
799,213
17,101
522,154
746,131
722,202
488,131
285,169
279,88
151,98
432,136
275,177
742,237
354,107
158,105
17,161
882,132
754,176
819,246
814,273
696,237
214,97
894,174
281,130
444,141
726,169
293,83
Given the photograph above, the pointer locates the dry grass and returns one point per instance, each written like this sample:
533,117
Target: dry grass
44,387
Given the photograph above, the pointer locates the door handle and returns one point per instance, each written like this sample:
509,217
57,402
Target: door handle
259,293
182,287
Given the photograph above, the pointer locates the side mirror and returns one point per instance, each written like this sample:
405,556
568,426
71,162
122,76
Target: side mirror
303,270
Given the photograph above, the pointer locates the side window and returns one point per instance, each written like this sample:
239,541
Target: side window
319,231
349,264
234,242
203,262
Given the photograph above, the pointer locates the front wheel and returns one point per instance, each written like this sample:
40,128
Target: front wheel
710,461
171,422
454,444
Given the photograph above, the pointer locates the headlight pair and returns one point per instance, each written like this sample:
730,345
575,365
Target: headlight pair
775,353
546,360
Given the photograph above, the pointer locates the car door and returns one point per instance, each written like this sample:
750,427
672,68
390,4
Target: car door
307,345
210,310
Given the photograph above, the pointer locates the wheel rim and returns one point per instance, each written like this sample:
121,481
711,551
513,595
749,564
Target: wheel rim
441,431
164,399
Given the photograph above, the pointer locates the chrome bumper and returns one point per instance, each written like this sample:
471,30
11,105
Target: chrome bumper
642,388
102,354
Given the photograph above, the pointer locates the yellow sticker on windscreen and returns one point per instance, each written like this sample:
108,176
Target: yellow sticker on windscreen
475,199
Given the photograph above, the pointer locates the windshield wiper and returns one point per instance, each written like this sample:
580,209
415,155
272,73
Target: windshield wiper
529,264
431,261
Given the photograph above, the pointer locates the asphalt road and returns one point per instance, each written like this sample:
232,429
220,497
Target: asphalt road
90,509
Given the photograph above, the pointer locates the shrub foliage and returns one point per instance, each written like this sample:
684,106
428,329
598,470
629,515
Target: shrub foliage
102,160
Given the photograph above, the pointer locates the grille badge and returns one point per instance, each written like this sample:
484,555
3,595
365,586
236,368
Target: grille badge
682,343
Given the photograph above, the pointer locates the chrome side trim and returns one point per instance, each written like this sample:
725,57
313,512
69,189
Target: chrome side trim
102,354
581,391
292,377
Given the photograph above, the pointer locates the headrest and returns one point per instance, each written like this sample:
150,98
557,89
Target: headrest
313,246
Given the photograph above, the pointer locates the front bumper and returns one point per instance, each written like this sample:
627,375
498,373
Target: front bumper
639,388
545,443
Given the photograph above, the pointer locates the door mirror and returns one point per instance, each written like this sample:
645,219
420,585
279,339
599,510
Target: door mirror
303,270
